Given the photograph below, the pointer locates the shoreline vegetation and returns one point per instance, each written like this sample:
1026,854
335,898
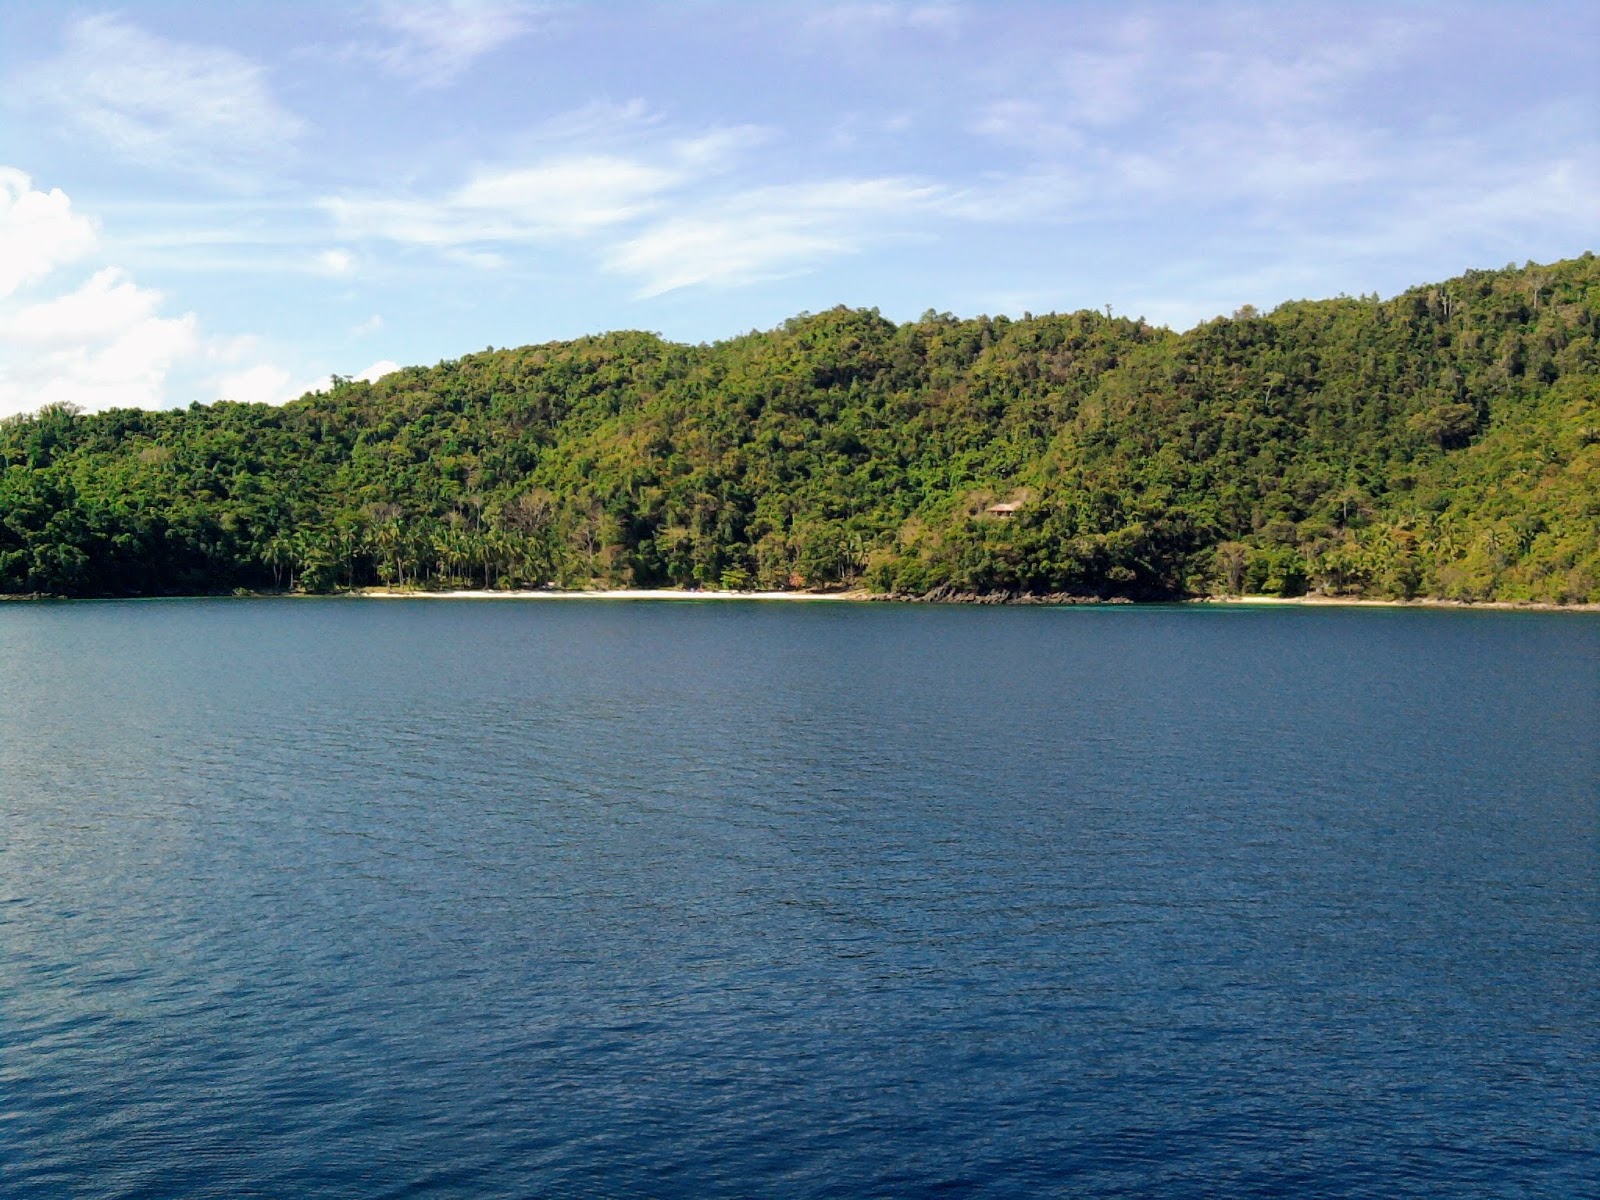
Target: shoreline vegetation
992,600
859,596
1442,445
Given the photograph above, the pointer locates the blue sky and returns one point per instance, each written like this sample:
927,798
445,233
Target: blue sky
203,200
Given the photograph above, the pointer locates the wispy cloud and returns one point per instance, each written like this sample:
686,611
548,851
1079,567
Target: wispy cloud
1451,201
857,25
565,197
199,109
434,41
1296,61
1026,123
767,233
1145,116
570,195
1038,193
1102,76
601,122
715,148
675,222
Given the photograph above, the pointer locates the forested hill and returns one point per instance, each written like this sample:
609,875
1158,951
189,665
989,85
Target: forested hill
1442,443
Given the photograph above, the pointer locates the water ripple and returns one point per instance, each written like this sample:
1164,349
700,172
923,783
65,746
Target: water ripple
346,899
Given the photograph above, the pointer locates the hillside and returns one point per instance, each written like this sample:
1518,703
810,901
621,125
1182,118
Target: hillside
1441,443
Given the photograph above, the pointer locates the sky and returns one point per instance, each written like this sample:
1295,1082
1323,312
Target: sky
203,201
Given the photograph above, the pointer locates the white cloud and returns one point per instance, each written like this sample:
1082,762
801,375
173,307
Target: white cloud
103,345
605,126
659,221
270,385
378,370
261,384
766,233
107,304
371,325
71,346
729,249
571,195
248,373
559,198
197,108
437,40
600,121
716,148
335,262
1457,205
107,342
243,368
38,231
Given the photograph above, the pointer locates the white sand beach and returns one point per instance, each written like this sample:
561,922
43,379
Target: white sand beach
858,596
609,594
1419,602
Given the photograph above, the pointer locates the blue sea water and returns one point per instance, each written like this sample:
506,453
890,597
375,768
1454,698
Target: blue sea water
390,899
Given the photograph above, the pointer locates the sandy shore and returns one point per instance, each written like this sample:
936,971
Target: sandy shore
610,594
1420,602
686,594
380,593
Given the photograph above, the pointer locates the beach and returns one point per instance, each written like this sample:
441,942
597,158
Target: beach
609,594
859,596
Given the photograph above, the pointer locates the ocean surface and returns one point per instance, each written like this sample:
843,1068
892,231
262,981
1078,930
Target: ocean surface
363,898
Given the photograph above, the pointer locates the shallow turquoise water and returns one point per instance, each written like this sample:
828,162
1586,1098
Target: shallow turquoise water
348,898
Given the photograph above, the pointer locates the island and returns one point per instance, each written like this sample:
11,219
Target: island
1441,444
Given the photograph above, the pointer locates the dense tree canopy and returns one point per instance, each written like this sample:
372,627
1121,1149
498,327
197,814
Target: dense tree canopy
1442,443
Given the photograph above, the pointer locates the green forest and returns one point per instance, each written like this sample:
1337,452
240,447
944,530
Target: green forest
1444,443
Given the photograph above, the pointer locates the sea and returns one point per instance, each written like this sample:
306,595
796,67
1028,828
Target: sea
423,898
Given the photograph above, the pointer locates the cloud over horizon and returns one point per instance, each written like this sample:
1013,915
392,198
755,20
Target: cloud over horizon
105,341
